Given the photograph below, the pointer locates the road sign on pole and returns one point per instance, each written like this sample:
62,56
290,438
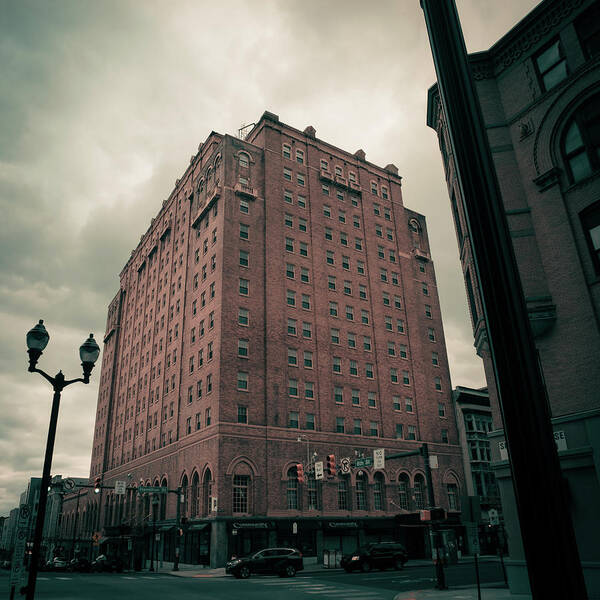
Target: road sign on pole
120,488
152,489
69,484
363,462
319,469
345,464
433,462
379,458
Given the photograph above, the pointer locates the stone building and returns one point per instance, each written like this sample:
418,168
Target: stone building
281,308
539,90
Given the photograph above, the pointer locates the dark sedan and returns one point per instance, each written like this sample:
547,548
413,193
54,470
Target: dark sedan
284,562
375,556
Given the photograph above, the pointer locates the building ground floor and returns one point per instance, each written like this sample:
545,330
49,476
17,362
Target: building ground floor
212,542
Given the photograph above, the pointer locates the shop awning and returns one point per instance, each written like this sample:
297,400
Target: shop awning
197,527
166,528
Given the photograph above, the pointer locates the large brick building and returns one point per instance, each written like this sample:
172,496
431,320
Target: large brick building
539,90
281,307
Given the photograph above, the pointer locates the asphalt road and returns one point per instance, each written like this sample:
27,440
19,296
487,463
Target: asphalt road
322,585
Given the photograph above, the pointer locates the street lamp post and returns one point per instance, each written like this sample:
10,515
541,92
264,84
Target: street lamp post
37,339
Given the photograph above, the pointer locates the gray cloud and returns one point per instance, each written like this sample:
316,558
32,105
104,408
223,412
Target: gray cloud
101,106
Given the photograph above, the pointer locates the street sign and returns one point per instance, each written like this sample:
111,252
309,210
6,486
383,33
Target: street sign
363,462
17,570
345,464
69,484
120,487
319,469
433,462
152,489
493,516
473,537
294,528
379,458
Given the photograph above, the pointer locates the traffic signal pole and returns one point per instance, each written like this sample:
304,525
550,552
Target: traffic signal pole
547,532
435,534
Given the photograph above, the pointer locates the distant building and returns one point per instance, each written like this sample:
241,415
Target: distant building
282,306
539,89
8,531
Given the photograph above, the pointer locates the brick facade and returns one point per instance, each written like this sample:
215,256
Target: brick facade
227,308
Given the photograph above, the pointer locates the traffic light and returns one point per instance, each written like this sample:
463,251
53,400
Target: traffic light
331,470
97,484
300,472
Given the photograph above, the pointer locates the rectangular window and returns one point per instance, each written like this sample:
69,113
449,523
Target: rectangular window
369,371
551,66
288,197
293,387
301,201
374,429
244,207
335,336
362,292
373,188
242,347
386,299
405,378
384,193
300,157
243,316
403,351
244,231
242,414
207,418
328,233
327,211
287,151
199,389
355,397
358,245
349,313
329,257
293,420
441,409
391,346
412,432
308,359
389,234
364,317
431,334
428,311
292,355
338,395
244,258
380,252
300,180
198,421
310,422
383,274
333,309
305,301
337,364
353,367
242,380
399,431
400,325
288,220
343,239
408,405
289,271
302,225
325,189
340,196
289,244
290,297
434,359
367,343
346,263
287,174
392,256
331,282
306,330
357,427
309,390
437,383
291,326
340,425
360,267
308,362
243,286
303,249
425,289
342,216
394,375
304,276
351,340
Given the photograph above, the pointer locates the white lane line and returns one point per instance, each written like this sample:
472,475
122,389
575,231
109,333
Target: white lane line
65,578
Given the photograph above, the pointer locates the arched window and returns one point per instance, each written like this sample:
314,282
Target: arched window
581,141
379,492
194,495
452,489
403,489
419,491
207,490
184,492
413,225
361,491
292,489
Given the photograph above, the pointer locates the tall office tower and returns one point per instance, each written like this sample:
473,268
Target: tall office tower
280,310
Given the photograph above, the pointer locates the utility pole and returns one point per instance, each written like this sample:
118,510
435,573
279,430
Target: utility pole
177,527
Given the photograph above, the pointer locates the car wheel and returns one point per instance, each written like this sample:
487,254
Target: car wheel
244,573
365,567
398,564
289,571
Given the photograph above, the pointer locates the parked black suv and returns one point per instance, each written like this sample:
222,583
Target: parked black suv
380,556
282,561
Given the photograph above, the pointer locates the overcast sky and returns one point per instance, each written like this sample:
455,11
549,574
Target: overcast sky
101,106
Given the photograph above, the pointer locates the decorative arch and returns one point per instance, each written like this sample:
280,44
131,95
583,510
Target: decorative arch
195,494
546,152
207,486
185,493
242,460
286,470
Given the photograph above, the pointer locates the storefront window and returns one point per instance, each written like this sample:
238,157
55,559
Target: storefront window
241,486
